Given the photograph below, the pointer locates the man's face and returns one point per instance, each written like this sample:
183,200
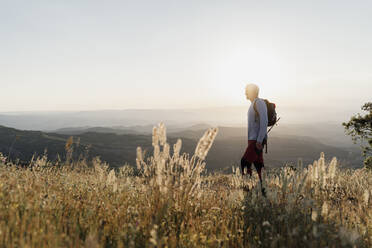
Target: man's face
247,94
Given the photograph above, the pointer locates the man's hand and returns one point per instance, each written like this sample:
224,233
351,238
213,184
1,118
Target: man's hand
259,145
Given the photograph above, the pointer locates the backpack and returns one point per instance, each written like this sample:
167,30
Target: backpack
271,112
272,118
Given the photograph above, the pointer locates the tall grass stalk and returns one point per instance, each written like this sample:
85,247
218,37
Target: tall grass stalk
167,200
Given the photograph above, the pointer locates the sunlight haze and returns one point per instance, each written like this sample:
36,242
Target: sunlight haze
91,55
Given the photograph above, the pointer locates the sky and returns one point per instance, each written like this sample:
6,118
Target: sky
91,55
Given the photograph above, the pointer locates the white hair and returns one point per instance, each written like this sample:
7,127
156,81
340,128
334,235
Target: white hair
252,89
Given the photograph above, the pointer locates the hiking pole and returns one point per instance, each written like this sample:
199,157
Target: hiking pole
269,132
274,125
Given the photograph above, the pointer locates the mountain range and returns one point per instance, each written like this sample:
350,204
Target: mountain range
117,145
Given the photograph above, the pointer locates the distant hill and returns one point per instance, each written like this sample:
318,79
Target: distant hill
49,121
147,129
113,148
23,144
224,116
327,133
81,130
120,149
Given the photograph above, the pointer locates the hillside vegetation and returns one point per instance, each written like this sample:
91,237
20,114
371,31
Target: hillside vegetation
120,149
168,201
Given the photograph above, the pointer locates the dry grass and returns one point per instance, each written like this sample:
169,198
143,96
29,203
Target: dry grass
169,201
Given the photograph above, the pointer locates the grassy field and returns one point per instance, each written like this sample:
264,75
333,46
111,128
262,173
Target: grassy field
168,201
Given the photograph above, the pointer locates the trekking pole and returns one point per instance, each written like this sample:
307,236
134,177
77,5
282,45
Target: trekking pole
269,132
273,125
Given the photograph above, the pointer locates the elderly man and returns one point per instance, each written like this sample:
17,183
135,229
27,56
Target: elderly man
257,132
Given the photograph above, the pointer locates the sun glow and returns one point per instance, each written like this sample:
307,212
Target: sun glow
238,67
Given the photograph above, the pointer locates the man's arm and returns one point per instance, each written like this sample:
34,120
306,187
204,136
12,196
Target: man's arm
262,110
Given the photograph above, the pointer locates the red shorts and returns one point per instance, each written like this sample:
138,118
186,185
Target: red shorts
252,154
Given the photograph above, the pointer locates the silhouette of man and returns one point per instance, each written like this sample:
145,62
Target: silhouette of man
257,132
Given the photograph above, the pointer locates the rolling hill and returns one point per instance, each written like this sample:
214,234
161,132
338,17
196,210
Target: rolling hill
118,149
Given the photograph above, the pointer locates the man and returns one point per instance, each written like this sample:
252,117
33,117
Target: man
257,132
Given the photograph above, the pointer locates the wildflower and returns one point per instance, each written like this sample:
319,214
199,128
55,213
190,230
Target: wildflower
324,212
266,223
366,197
166,150
159,135
139,159
111,178
177,148
162,134
2,158
332,168
314,215
115,187
155,138
154,235
205,143
156,152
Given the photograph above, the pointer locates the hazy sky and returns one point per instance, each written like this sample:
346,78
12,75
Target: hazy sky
83,55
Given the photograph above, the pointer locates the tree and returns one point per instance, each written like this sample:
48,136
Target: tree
360,129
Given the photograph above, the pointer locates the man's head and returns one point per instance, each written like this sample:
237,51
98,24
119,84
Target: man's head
251,91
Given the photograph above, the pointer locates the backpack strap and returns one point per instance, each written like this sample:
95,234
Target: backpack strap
255,109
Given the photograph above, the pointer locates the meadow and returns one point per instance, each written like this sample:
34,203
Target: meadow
168,200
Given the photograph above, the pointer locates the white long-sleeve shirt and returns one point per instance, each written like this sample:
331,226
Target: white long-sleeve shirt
257,130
